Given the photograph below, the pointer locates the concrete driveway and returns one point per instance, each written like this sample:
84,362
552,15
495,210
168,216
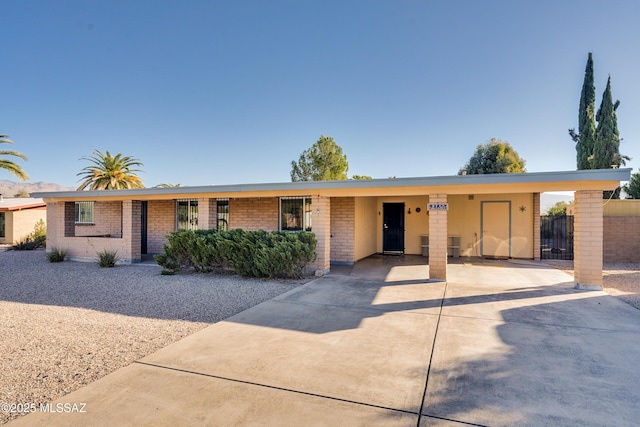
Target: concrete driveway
502,343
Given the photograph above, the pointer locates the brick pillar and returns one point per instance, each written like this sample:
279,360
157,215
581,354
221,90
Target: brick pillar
321,223
207,213
69,219
131,231
55,224
587,239
536,226
438,239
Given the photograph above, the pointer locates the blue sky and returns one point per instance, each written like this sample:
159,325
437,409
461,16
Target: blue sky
210,92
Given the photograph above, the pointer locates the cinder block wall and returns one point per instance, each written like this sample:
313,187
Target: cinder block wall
254,214
621,241
343,229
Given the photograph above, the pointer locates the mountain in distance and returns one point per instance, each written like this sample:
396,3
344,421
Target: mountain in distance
10,188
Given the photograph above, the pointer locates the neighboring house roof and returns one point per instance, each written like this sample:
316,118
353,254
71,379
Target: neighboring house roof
606,179
20,203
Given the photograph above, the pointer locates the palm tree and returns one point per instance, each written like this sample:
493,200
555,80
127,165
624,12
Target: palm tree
8,164
108,172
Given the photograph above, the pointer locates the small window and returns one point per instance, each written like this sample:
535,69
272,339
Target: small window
186,214
295,213
2,224
84,212
223,214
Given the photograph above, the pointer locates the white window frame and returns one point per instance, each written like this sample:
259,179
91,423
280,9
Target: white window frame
85,213
304,212
191,220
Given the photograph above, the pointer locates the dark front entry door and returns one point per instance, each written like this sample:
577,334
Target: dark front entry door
143,229
393,227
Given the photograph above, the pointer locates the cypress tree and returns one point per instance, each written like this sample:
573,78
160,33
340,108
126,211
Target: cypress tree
585,139
606,152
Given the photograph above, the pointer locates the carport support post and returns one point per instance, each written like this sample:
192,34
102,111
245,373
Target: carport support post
321,226
588,234
438,239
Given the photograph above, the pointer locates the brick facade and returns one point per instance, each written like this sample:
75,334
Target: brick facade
254,214
588,232
438,239
107,221
161,220
343,230
536,226
322,230
621,239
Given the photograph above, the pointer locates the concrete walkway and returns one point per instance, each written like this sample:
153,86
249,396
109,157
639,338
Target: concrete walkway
503,343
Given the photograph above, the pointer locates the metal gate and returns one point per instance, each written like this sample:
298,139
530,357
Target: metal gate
556,237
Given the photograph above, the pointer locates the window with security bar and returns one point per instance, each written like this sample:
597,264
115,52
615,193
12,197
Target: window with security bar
223,214
84,213
295,213
186,215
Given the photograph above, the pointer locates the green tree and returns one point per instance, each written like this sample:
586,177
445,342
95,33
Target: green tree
585,139
8,165
496,156
361,177
632,189
21,193
108,172
324,161
167,185
606,152
559,209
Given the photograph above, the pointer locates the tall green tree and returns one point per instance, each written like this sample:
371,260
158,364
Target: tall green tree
496,156
606,152
632,189
586,136
9,165
324,161
107,172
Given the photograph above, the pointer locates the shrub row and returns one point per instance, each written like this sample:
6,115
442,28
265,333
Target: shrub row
248,253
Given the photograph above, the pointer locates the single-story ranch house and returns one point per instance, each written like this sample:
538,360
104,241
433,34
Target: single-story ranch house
473,215
18,217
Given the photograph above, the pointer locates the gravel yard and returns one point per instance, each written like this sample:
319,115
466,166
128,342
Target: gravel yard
620,279
67,324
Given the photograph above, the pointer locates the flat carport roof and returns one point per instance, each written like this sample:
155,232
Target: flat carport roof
533,182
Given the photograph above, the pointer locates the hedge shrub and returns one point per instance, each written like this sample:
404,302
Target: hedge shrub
248,253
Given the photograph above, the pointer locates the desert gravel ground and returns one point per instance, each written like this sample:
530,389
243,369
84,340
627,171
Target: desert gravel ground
64,325
620,279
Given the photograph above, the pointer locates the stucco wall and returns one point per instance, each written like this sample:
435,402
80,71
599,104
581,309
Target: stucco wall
464,220
625,207
416,223
19,224
365,223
